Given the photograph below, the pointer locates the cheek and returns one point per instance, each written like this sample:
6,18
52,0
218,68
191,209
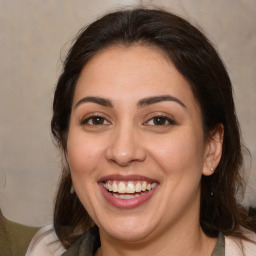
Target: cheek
181,160
83,153
179,154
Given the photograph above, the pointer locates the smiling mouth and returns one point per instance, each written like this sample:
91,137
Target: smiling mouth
128,189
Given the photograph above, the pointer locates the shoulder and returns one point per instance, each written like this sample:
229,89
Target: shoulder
237,247
45,243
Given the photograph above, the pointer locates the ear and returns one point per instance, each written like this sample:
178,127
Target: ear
213,150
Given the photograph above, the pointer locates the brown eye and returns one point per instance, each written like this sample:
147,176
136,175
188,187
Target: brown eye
160,121
95,120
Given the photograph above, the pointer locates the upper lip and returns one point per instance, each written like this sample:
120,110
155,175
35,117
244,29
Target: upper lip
119,177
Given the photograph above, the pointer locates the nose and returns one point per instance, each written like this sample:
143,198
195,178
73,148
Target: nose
126,147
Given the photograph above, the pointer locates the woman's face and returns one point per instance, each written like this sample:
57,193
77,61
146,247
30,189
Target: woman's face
136,147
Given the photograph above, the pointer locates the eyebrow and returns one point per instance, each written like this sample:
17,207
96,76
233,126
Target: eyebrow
98,100
156,99
142,103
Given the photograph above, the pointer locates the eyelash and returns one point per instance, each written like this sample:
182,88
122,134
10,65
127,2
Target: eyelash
161,118
94,117
100,120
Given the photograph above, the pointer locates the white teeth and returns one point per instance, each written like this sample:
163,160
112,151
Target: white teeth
126,196
109,186
138,187
153,185
114,187
144,186
129,187
121,187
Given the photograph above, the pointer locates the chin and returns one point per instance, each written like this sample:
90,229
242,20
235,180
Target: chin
130,236
128,231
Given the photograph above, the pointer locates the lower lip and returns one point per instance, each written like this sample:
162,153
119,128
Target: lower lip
126,203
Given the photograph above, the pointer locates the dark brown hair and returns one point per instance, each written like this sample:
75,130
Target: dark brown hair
197,60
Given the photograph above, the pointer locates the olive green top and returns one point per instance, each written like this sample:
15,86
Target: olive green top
219,249
14,237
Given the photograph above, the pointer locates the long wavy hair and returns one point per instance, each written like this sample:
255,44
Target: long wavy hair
197,60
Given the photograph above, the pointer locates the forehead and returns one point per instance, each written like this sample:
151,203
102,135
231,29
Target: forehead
130,72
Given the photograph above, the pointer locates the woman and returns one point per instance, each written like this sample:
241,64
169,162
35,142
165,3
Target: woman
145,117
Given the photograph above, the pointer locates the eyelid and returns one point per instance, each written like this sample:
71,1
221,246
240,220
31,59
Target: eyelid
88,116
166,116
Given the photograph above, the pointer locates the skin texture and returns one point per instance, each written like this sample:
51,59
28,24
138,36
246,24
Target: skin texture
128,139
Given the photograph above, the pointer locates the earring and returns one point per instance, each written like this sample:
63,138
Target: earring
72,189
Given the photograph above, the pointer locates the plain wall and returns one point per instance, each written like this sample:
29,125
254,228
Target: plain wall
33,36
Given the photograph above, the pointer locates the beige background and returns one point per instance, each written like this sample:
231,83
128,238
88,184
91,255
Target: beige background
33,36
